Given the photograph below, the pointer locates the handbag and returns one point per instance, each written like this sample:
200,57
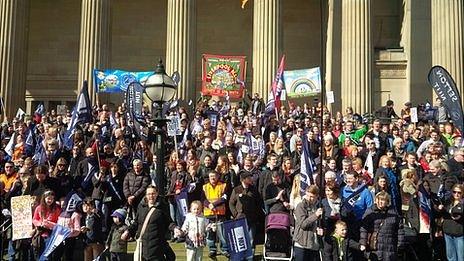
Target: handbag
372,238
410,233
138,242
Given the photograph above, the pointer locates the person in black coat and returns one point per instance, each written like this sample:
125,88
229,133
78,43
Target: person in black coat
456,164
154,244
41,182
384,220
277,195
338,247
86,169
246,202
385,113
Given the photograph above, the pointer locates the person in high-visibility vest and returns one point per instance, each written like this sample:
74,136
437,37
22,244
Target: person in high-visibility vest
214,201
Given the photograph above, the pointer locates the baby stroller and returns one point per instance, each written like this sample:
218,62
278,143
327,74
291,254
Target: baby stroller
277,237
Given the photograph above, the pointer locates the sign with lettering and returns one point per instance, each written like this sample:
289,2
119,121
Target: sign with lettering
173,126
414,117
238,239
21,212
445,87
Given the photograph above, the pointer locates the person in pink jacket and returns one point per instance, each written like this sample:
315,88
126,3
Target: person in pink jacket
45,217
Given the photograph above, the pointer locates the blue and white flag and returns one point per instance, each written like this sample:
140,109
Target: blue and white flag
72,201
184,138
9,148
134,101
84,107
307,167
40,110
113,123
182,206
238,239
40,157
29,143
2,106
68,141
59,234
20,113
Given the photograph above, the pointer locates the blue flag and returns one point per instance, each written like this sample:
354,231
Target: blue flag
307,166
68,141
40,157
40,110
83,106
238,239
59,234
182,206
30,142
134,103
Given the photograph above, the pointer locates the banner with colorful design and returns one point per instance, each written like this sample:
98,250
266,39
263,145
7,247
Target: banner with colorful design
117,80
222,74
302,83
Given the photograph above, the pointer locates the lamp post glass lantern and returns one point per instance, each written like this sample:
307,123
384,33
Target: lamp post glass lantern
160,88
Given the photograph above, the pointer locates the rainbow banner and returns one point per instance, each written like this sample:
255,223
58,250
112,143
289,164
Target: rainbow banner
223,74
302,83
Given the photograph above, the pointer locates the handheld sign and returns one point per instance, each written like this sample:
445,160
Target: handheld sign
414,117
173,126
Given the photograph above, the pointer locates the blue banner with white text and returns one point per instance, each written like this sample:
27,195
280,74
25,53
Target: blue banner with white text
238,239
113,81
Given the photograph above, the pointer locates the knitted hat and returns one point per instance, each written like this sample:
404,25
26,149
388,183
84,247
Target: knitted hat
120,213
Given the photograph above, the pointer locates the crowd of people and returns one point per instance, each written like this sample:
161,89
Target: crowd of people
384,188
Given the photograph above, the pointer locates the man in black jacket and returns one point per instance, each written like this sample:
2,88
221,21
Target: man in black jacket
456,164
385,113
245,202
154,244
277,193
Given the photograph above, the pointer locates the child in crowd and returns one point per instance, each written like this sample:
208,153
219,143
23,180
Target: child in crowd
116,246
92,231
337,246
195,226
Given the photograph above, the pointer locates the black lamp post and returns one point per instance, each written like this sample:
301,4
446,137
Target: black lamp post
160,88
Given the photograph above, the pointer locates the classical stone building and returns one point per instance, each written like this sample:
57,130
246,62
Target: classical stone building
369,50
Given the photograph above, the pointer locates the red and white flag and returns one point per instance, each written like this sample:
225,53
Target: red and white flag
278,83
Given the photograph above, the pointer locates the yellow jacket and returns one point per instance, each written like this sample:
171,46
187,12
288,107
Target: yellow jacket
214,194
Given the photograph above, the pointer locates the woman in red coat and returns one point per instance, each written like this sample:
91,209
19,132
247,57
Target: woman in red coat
45,217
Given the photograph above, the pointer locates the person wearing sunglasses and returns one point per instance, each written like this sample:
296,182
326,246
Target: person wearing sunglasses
453,228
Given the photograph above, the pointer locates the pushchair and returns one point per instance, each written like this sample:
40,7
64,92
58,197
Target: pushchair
277,237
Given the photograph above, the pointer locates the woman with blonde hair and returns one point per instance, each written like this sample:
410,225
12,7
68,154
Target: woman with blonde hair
280,150
226,173
453,224
385,168
295,194
65,181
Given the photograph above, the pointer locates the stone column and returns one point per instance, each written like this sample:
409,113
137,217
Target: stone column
14,17
94,47
180,45
416,41
267,44
357,55
333,52
447,39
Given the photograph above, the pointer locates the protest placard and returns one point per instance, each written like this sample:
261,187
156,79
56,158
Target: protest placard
21,212
173,126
